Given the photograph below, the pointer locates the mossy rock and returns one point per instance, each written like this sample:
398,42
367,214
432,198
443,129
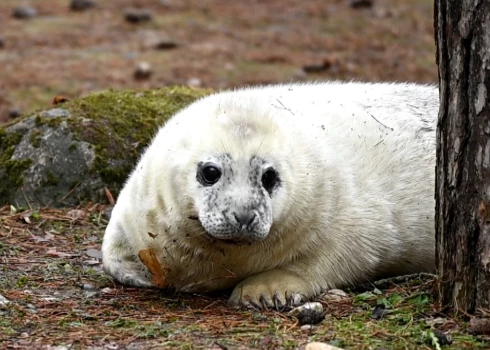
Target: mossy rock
68,155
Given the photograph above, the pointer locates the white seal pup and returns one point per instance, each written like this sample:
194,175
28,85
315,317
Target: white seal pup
282,192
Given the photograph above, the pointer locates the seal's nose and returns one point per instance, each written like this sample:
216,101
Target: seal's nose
244,218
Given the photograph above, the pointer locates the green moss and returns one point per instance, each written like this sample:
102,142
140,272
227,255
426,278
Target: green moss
120,124
36,138
117,124
10,170
52,122
51,179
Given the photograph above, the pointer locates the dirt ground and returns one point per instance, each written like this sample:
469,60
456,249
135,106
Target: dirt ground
218,44
53,293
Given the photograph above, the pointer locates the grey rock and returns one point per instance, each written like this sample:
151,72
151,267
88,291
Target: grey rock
55,113
59,162
24,12
63,157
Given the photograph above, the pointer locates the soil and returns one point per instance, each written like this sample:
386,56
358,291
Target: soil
53,293
217,44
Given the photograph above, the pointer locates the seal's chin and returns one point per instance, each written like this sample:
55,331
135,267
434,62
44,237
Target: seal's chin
235,238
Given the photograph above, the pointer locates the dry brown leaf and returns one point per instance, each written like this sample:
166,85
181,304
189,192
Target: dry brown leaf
148,257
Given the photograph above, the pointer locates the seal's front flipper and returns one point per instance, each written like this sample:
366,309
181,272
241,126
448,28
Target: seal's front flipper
274,289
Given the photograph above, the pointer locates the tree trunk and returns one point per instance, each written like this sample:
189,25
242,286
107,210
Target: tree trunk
462,30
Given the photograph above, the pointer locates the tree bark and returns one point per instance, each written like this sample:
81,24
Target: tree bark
462,30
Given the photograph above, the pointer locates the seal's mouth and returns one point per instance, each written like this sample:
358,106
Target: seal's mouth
242,237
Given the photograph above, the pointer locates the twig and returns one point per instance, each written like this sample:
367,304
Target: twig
70,192
283,106
38,198
387,127
25,197
394,280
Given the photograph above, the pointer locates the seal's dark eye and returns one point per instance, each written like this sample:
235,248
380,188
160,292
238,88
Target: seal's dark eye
210,174
269,179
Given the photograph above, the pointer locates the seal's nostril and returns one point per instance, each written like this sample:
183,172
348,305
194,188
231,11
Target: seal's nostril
244,218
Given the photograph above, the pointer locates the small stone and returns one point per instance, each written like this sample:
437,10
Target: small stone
307,327
76,214
14,113
165,44
107,290
307,306
443,338
309,313
94,253
194,82
357,4
378,312
81,5
334,295
67,268
143,71
317,67
52,299
90,293
3,300
87,286
136,16
32,308
320,346
24,12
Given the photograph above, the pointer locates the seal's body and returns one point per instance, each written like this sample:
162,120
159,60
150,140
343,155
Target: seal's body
281,192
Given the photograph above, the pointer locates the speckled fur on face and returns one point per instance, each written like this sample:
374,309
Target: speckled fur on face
239,190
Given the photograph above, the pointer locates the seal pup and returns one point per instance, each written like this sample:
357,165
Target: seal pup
282,192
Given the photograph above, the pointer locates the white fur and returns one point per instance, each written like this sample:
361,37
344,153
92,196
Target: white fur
356,162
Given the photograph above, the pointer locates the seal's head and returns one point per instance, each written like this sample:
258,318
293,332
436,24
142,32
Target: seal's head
234,200
239,173
234,165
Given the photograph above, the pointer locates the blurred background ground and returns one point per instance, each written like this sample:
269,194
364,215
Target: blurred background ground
48,49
